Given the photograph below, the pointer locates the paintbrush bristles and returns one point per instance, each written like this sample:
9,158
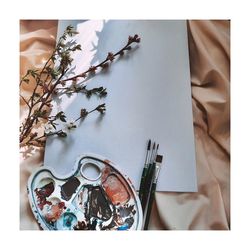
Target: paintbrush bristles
152,154
149,145
159,158
156,151
147,154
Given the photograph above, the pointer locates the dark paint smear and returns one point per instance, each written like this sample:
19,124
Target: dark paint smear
69,187
98,204
92,225
126,210
130,221
44,192
110,226
81,225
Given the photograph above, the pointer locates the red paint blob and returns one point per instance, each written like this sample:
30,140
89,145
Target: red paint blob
44,192
115,190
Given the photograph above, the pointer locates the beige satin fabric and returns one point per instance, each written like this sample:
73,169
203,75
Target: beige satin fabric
209,48
37,41
209,208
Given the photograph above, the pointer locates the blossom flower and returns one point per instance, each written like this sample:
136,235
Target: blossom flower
71,125
48,128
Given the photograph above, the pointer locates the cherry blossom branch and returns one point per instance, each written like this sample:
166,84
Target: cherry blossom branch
50,81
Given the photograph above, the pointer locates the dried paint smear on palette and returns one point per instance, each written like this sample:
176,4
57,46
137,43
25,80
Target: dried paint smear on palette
96,197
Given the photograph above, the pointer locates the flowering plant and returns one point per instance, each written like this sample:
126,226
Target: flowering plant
53,80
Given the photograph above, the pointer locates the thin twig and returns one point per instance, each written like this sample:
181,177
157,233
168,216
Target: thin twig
25,100
110,58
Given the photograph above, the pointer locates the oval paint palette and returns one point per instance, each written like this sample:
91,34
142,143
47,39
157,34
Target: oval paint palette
96,197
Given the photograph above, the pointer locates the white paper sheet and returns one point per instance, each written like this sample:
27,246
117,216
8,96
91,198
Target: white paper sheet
149,96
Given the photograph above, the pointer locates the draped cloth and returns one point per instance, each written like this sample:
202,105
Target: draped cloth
209,53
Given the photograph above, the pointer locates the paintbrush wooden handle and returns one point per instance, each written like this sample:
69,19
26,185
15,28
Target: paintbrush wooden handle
148,208
150,204
142,184
147,186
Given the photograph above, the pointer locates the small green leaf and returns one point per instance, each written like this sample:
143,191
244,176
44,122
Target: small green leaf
26,80
77,47
62,118
59,114
33,72
43,113
88,94
62,134
53,125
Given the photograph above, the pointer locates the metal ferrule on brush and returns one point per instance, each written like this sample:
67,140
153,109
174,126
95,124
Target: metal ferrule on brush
158,162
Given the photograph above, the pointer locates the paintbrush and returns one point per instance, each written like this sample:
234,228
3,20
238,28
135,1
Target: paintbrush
156,151
148,177
144,172
148,208
152,154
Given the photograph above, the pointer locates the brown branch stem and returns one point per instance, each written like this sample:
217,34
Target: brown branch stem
120,52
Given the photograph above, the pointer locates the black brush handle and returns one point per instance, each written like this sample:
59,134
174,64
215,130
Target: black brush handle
147,186
150,204
142,184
